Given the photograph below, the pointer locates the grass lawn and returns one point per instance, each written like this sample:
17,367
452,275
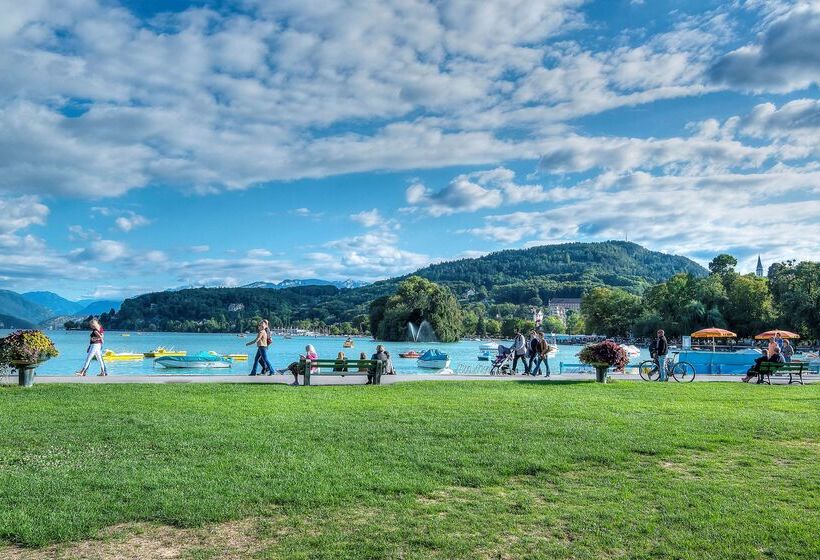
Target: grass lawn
413,470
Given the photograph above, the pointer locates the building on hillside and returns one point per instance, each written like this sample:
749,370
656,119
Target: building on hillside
759,270
558,307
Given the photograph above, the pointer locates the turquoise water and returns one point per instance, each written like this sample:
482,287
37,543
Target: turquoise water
73,344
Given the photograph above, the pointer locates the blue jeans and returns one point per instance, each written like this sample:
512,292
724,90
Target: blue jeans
661,361
261,357
537,360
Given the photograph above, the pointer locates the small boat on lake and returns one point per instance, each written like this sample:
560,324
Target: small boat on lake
433,359
197,361
348,343
111,356
409,354
487,351
161,351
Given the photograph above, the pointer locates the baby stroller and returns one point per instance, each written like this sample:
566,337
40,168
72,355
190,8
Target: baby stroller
502,364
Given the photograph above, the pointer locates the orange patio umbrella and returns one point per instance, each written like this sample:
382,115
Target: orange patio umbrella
770,334
713,333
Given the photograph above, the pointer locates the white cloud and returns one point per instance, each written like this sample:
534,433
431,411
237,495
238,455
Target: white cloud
199,248
476,191
368,218
215,100
131,221
785,58
103,250
259,253
20,212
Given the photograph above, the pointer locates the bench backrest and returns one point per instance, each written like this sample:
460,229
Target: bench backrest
782,366
351,365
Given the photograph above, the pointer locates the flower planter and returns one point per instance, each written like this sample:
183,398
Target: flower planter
25,373
601,371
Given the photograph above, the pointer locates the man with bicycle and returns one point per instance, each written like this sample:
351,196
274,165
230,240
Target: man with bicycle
661,350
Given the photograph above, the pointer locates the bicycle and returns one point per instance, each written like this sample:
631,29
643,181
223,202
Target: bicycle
680,371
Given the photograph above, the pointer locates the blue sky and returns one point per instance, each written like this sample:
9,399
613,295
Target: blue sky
147,145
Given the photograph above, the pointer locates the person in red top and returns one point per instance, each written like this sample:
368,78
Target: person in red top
94,349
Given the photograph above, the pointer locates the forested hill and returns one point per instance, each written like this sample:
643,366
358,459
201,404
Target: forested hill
522,277
568,268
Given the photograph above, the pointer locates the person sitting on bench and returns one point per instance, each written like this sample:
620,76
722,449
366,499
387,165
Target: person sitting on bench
772,355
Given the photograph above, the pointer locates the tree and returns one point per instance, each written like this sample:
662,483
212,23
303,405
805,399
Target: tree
609,311
795,292
748,309
416,300
554,324
575,323
722,264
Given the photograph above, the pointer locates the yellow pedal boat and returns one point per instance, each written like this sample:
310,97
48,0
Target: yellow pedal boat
160,352
111,356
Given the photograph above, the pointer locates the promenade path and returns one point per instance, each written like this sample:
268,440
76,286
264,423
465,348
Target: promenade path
359,380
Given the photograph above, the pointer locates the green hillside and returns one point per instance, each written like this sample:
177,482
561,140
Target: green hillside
9,322
523,277
12,303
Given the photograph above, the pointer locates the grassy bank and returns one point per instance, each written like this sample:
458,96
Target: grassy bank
422,470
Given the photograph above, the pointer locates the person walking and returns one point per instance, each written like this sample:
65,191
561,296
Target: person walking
661,347
519,349
261,342
94,349
534,354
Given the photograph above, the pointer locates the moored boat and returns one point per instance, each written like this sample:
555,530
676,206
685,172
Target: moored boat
111,356
409,354
348,343
161,351
433,359
197,361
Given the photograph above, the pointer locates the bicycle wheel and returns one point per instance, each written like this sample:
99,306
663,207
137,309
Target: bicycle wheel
683,372
648,370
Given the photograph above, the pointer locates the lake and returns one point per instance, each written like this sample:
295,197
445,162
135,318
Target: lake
73,344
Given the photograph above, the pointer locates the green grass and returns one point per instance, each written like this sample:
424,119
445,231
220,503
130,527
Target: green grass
423,470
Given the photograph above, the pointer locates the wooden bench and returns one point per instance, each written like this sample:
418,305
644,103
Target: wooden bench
329,367
767,369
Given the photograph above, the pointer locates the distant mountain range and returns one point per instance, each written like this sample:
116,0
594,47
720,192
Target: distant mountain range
341,284
31,308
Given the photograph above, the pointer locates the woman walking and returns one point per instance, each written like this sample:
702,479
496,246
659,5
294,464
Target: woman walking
94,349
261,342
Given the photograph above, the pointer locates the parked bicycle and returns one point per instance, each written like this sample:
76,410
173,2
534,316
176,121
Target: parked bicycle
677,369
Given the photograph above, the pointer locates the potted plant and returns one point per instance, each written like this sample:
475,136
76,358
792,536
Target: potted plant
602,356
24,351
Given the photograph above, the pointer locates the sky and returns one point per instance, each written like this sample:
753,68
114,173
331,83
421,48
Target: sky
146,145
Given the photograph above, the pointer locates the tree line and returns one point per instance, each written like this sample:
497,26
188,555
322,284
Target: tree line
789,298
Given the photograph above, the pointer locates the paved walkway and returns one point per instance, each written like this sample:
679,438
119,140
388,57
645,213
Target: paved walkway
356,379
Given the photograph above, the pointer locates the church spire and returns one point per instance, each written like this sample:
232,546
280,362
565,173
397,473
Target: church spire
759,270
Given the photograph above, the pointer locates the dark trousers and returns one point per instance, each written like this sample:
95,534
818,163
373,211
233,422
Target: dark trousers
523,359
261,358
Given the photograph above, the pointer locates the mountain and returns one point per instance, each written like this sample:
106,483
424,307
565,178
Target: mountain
15,305
95,307
521,277
58,305
341,284
9,322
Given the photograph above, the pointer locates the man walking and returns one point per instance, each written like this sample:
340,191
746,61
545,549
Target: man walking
661,351
519,349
